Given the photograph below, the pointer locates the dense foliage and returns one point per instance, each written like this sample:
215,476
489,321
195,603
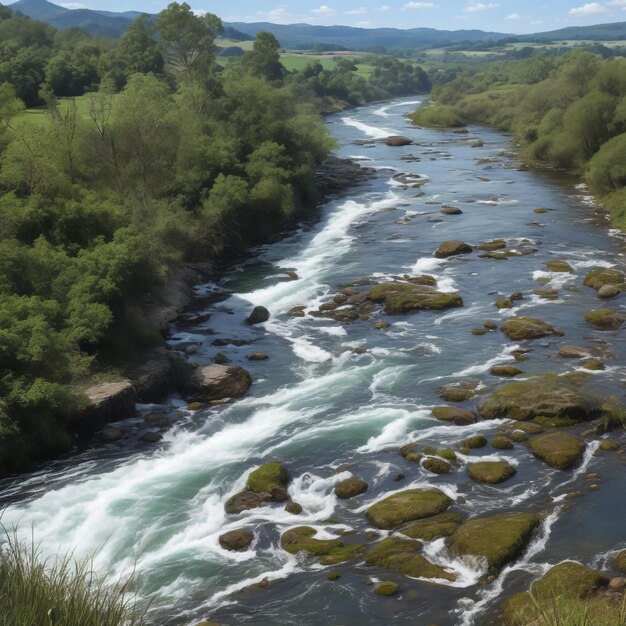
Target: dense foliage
568,111
149,154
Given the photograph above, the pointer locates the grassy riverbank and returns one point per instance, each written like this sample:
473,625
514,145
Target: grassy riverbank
567,112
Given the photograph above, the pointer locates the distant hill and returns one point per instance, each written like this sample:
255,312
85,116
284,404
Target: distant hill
111,24
599,32
300,35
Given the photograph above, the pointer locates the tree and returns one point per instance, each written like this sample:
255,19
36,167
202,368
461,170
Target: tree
264,58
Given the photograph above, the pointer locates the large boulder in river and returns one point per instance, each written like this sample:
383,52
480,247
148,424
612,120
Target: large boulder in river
431,528
329,551
108,402
350,488
217,382
161,373
406,506
601,276
259,315
547,396
499,539
406,297
397,141
521,327
605,319
559,450
453,248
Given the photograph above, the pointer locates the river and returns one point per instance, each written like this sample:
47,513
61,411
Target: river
323,410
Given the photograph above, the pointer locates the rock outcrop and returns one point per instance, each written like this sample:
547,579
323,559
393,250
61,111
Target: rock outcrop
218,382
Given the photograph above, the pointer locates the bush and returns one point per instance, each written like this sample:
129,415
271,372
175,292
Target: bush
438,116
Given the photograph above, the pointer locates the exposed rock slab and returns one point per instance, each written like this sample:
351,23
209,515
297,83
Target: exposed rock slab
559,450
218,382
407,506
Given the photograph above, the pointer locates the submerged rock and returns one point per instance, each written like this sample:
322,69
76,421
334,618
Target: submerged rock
407,297
559,450
562,267
451,210
329,551
453,248
402,555
350,488
407,506
499,539
519,328
217,382
605,319
493,245
436,466
505,371
546,396
491,472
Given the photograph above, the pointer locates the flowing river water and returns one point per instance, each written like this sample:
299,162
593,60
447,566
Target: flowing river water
326,412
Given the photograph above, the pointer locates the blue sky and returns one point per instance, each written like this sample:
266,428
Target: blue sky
502,15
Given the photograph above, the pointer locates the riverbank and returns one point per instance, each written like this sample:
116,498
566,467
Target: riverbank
358,403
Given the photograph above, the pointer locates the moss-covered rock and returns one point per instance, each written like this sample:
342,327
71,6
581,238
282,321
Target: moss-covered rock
407,506
329,551
387,589
453,248
547,294
491,246
558,266
489,325
403,555
498,539
436,465
406,297
521,327
610,291
475,442
605,319
244,501
601,276
431,528
504,303
350,488
519,436
620,561
491,472
479,332
609,445
505,371
573,352
501,442
559,450
593,365
270,478
457,416
454,393
294,508
549,396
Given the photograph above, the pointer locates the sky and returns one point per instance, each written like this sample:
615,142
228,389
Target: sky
508,16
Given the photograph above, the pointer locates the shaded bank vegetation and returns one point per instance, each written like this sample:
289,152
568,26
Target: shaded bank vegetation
568,111
145,155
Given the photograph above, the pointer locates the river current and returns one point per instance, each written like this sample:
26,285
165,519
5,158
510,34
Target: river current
326,412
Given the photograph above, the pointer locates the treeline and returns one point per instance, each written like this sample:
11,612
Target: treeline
149,154
567,111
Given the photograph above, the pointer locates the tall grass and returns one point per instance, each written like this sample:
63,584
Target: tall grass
59,592
563,611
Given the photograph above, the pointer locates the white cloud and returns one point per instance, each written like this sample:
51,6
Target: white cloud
73,5
364,24
324,10
384,8
480,6
419,5
514,16
617,3
591,8
279,15
359,11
